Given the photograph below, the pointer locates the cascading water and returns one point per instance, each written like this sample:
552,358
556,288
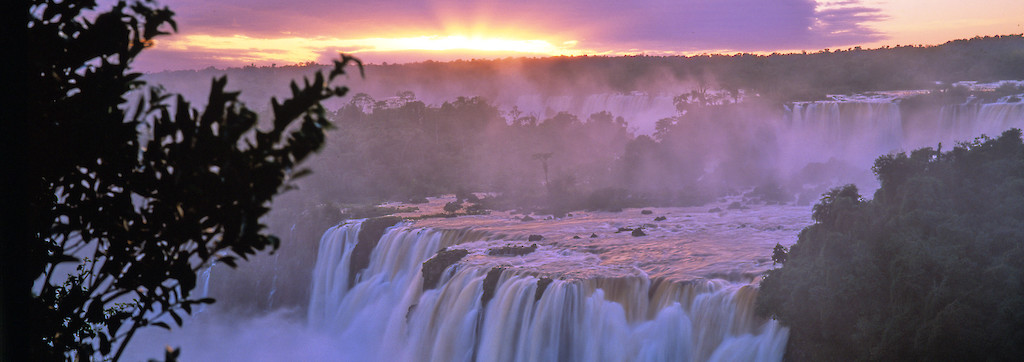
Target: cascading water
857,131
850,131
507,309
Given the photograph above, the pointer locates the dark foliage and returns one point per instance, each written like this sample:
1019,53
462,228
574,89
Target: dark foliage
779,77
452,207
140,195
404,148
930,269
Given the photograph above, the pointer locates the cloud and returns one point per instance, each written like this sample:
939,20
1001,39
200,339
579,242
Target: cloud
574,26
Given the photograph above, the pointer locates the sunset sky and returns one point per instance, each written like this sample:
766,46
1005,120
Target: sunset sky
231,33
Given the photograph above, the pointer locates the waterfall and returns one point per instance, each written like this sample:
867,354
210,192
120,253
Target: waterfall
850,131
495,312
858,131
994,118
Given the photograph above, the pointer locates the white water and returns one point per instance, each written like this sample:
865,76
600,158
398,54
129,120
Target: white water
858,131
624,316
973,120
855,132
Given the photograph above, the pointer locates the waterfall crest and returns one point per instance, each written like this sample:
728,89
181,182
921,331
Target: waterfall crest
505,314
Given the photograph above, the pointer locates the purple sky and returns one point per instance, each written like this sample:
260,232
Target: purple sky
238,32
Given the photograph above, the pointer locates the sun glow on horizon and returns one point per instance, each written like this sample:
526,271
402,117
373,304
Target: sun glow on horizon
287,50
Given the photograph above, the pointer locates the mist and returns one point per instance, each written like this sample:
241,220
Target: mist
557,136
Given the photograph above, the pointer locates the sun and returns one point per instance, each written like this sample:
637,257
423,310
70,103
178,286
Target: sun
245,49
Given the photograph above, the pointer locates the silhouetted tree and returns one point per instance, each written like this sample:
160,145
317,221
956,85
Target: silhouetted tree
543,158
140,196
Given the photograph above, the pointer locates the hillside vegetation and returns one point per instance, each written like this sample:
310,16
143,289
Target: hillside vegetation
930,269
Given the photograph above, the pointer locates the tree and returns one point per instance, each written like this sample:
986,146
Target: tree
929,269
140,195
543,157
452,207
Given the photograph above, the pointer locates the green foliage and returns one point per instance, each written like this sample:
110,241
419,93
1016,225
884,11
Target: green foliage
145,194
452,207
930,269
779,254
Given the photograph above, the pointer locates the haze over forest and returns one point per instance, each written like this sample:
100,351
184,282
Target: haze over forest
730,125
590,180
555,136
645,128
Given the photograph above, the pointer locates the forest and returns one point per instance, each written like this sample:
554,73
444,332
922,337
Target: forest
928,269
144,191
430,128
776,77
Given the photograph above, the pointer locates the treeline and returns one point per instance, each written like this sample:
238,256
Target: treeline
779,77
407,150
400,149
930,269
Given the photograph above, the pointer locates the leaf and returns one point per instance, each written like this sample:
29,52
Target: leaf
229,260
171,355
104,344
177,319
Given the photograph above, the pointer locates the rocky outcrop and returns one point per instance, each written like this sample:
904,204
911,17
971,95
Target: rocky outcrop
433,268
512,250
370,233
542,285
490,283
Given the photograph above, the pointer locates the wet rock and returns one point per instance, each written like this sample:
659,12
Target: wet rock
575,236
624,229
528,218
594,235
512,250
370,233
490,283
416,200
542,285
646,212
660,218
535,237
433,268
639,232
717,209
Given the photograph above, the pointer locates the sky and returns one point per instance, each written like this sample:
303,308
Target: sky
234,33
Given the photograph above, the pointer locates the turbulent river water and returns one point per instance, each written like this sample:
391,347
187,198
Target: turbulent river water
684,291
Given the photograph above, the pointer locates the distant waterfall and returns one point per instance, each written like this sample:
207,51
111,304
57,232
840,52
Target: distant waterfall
852,131
386,314
859,131
972,120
